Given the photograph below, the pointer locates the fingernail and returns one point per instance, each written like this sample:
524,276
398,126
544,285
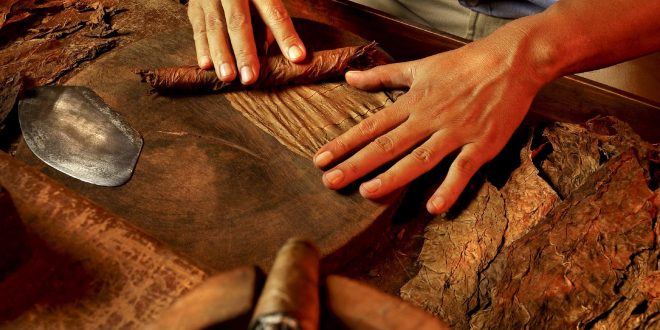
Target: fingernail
225,70
334,177
246,74
371,186
204,62
323,159
295,52
436,204
350,73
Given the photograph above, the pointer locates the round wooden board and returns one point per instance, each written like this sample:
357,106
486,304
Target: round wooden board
209,183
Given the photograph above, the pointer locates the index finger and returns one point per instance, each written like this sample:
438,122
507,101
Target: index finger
278,20
361,134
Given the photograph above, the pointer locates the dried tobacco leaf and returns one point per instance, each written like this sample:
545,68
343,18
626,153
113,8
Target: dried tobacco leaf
99,25
574,157
568,271
330,109
34,59
578,151
454,254
9,92
637,308
650,285
276,71
52,43
22,15
5,10
641,307
527,197
616,137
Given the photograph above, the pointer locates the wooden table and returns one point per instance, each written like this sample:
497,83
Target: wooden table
570,99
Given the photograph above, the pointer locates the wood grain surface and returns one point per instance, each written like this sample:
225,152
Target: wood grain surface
212,185
84,267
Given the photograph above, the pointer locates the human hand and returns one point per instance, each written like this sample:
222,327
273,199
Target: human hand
225,37
471,99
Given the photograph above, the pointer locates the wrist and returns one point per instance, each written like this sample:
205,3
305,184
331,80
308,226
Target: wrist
540,52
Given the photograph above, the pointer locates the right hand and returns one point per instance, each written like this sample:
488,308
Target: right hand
224,36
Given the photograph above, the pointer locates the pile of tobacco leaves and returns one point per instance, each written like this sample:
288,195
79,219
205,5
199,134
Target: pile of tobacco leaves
568,240
42,40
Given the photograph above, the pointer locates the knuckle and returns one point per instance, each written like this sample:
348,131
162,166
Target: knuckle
466,164
237,21
350,167
218,56
491,133
384,143
422,155
339,145
276,13
367,127
244,55
213,22
199,34
289,39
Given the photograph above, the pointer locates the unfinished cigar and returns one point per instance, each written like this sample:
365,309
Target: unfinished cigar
290,297
275,71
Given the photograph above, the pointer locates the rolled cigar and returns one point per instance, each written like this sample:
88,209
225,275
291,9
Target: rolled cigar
290,297
275,71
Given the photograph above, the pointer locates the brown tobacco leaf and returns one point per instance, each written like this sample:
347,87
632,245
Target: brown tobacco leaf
66,22
641,307
575,156
5,10
578,151
8,94
638,307
528,198
42,61
650,285
276,71
95,17
22,15
454,254
52,42
99,25
330,109
570,269
616,137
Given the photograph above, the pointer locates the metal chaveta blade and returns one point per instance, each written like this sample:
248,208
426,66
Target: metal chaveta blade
73,130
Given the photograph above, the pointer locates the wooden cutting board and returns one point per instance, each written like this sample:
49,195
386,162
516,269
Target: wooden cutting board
218,187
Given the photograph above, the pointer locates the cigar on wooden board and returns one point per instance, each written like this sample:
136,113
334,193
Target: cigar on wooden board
290,297
275,71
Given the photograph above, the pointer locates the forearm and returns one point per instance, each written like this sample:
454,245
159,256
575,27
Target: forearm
579,35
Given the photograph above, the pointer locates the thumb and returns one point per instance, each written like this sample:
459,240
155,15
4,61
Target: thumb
397,75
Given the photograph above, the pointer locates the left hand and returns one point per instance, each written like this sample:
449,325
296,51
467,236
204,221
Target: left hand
470,99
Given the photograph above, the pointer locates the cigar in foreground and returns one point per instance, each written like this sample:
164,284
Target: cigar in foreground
275,71
290,297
